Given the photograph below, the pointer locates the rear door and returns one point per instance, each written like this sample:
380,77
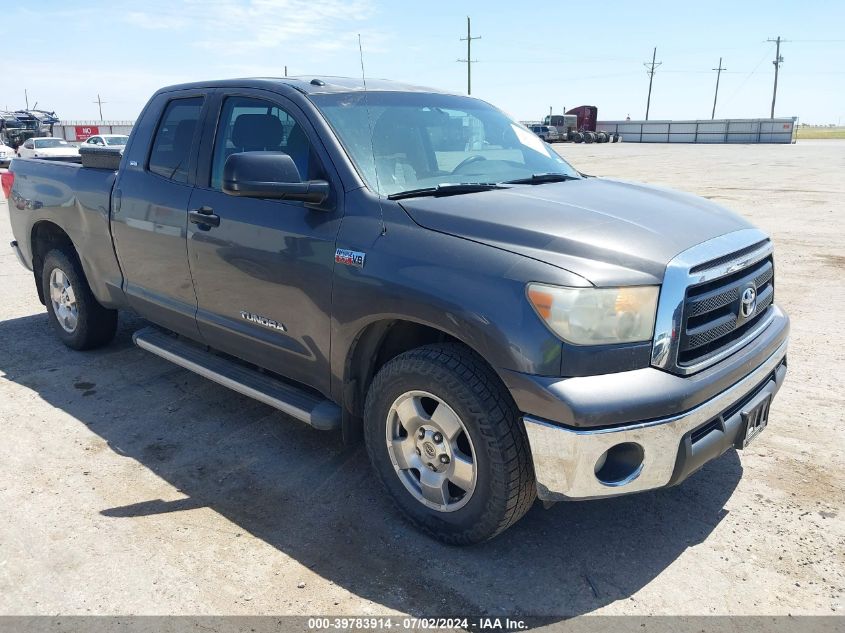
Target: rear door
263,270
150,211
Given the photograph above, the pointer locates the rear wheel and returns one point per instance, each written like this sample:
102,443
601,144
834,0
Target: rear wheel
77,317
445,438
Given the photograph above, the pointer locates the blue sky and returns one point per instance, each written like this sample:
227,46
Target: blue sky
532,55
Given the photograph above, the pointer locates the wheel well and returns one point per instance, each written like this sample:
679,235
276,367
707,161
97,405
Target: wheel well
47,236
377,345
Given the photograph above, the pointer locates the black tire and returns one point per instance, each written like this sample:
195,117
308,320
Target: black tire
95,325
505,486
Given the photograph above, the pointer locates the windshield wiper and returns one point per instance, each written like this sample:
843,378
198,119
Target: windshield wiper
447,189
539,179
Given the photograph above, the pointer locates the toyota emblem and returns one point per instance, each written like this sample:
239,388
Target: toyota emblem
748,302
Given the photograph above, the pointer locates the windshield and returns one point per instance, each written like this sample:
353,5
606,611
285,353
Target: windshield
116,140
423,140
43,143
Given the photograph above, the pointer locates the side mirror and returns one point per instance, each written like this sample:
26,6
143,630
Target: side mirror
270,175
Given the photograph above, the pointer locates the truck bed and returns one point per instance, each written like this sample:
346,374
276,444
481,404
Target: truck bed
77,200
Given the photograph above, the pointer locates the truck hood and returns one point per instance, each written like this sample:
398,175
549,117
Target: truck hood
610,232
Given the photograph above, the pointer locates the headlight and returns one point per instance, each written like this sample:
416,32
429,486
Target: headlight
597,316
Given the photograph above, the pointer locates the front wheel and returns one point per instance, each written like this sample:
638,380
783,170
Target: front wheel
445,438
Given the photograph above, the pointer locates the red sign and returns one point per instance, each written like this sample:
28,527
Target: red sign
84,132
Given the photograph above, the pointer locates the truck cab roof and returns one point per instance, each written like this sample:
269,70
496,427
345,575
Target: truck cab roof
310,84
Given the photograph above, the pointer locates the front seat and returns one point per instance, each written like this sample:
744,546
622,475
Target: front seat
398,149
265,133
257,133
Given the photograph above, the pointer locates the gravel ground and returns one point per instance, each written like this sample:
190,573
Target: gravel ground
128,485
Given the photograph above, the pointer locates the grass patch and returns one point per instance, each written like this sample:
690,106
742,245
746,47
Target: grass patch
819,132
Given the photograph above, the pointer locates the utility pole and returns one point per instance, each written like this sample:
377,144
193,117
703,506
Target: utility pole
778,61
469,60
100,103
26,98
651,67
286,71
716,96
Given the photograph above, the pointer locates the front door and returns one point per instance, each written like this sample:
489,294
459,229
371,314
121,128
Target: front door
263,270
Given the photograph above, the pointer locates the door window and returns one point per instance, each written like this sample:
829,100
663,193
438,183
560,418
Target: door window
254,125
171,151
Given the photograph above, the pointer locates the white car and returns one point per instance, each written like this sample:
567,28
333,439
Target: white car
548,133
6,154
49,148
107,140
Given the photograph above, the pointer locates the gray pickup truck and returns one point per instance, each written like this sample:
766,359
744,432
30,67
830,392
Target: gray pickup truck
415,269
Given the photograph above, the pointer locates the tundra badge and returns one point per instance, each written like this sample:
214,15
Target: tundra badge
349,258
260,320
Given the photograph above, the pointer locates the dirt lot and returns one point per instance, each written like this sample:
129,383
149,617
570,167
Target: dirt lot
128,485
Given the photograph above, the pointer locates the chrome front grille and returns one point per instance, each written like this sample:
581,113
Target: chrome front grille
712,311
700,319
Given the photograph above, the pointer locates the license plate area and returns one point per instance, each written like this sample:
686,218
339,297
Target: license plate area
755,417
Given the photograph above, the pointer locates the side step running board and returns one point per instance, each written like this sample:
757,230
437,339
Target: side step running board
318,412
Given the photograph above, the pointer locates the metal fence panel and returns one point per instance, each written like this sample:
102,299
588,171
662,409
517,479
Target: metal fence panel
67,129
682,127
681,137
703,131
654,128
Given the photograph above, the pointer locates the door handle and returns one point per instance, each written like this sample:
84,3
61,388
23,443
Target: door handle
204,216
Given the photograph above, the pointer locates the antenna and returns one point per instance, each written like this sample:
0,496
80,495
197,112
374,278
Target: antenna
370,125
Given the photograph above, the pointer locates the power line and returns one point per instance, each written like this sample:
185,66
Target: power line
650,72
777,62
469,60
748,76
716,96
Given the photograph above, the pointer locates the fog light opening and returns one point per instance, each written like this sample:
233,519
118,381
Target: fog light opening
620,464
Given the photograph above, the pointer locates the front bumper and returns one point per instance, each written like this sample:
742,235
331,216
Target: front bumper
668,449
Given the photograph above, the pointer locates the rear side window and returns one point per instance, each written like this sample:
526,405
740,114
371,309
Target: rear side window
171,151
